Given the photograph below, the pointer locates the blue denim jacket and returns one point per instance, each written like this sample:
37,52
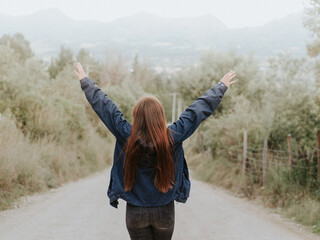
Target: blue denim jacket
143,192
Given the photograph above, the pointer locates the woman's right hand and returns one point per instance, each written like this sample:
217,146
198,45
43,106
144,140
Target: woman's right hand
80,73
228,77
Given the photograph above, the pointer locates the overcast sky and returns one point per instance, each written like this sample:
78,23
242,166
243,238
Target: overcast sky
234,13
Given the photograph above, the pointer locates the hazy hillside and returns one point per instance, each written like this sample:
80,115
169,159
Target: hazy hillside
167,41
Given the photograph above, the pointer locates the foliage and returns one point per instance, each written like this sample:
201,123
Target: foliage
278,98
312,23
48,133
125,96
273,101
64,59
114,71
19,44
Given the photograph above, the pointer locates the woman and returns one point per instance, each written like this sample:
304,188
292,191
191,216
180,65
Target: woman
149,170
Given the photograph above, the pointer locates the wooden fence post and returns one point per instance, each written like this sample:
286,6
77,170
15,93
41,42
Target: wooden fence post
245,138
289,149
318,153
264,160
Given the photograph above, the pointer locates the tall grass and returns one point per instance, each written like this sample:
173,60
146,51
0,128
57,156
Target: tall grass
49,133
29,166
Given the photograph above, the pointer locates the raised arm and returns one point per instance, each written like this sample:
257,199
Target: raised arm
105,108
200,109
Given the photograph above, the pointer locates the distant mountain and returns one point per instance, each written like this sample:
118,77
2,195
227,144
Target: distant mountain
166,41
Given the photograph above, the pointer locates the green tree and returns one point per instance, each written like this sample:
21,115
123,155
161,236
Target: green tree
57,64
195,81
312,23
19,44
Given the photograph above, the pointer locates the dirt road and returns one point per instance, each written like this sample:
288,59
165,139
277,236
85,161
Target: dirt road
80,210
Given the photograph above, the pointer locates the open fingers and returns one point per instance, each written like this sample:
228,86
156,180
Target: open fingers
232,82
77,73
231,73
80,68
231,76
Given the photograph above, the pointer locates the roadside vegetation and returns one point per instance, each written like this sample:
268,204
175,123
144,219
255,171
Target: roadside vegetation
50,135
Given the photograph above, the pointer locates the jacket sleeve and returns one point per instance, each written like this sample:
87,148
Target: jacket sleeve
197,112
106,109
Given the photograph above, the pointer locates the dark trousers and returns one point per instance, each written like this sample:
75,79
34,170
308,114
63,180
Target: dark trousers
150,223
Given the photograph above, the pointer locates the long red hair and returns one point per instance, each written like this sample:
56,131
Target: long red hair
149,126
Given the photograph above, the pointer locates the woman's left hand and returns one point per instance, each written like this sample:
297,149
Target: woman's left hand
80,73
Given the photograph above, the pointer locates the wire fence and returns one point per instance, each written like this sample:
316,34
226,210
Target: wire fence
260,165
